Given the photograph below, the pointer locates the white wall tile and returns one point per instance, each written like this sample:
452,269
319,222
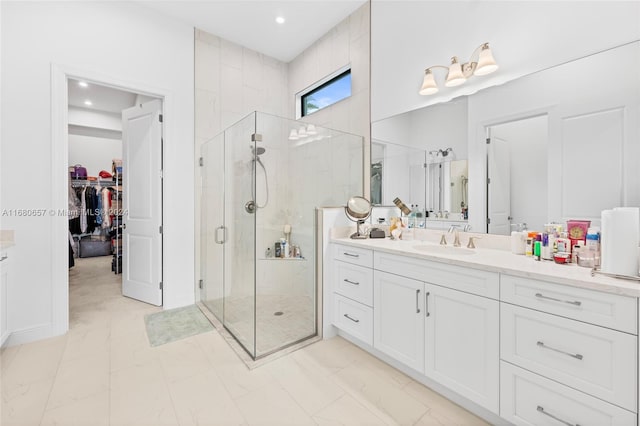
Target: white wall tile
230,54
207,62
207,114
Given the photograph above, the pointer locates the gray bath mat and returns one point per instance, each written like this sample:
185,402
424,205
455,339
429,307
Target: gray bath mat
175,324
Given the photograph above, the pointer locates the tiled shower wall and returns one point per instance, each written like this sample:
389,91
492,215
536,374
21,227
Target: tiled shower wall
346,43
231,81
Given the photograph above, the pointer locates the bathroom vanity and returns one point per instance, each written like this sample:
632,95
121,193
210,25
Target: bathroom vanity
509,338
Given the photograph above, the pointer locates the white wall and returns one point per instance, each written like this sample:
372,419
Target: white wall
525,36
98,119
93,153
120,41
431,128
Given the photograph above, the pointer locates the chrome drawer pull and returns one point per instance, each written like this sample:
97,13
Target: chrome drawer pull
417,296
352,319
426,304
350,282
575,302
351,255
576,356
541,410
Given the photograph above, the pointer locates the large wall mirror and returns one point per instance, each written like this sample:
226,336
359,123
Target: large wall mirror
558,144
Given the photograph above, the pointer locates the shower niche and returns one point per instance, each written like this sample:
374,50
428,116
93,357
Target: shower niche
259,186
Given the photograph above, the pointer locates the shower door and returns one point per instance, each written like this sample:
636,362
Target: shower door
228,231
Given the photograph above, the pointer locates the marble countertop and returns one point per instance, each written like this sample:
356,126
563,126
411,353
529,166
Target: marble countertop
504,262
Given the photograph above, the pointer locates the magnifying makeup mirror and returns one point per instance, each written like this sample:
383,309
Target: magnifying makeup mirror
357,210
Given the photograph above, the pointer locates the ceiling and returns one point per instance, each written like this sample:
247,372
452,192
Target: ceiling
103,98
251,23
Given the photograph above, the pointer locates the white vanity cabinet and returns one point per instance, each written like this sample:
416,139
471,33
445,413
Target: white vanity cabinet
5,275
398,318
353,291
462,344
430,317
569,355
527,347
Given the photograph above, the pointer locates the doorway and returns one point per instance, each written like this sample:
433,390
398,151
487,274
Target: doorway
517,165
114,141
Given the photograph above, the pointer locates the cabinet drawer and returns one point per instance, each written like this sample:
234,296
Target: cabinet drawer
353,317
354,282
595,307
596,360
482,283
529,399
354,255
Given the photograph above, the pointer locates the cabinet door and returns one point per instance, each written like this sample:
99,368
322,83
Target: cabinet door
462,344
398,318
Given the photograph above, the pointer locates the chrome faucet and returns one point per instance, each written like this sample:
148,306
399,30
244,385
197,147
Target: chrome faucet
456,240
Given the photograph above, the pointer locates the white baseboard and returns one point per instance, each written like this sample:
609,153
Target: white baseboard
476,409
28,335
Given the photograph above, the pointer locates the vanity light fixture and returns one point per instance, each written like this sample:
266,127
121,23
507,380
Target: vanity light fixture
481,63
83,84
88,102
293,135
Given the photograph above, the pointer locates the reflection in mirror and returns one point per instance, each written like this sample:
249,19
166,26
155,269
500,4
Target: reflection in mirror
563,145
566,152
447,187
397,171
517,193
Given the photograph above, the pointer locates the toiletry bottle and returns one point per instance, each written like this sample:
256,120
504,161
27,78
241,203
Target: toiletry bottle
563,243
593,243
411,217
531,238
278,250
518,239
537,247
419,218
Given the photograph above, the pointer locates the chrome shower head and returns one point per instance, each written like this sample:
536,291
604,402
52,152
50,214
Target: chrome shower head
257,150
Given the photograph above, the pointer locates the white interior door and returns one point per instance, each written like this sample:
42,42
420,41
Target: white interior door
499,187
142,202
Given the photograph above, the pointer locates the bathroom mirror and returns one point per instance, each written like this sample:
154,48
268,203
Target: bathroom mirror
583,159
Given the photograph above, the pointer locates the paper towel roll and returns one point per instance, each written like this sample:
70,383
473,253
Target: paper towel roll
620,237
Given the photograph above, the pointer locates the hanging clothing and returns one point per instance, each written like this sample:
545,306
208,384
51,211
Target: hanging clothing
99,212
106,208
83,211
74,203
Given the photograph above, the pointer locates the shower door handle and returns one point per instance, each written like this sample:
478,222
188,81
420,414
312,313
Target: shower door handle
224,235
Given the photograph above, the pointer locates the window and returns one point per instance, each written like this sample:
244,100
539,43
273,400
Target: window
328,92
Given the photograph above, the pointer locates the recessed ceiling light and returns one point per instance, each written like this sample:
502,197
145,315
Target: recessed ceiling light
88,102
280,19
83,84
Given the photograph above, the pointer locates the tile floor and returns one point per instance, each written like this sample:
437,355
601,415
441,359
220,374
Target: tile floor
103,372
296,321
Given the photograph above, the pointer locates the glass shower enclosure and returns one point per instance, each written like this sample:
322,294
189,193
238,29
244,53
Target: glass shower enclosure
262,180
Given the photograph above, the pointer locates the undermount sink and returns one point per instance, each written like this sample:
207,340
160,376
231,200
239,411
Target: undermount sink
443,249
